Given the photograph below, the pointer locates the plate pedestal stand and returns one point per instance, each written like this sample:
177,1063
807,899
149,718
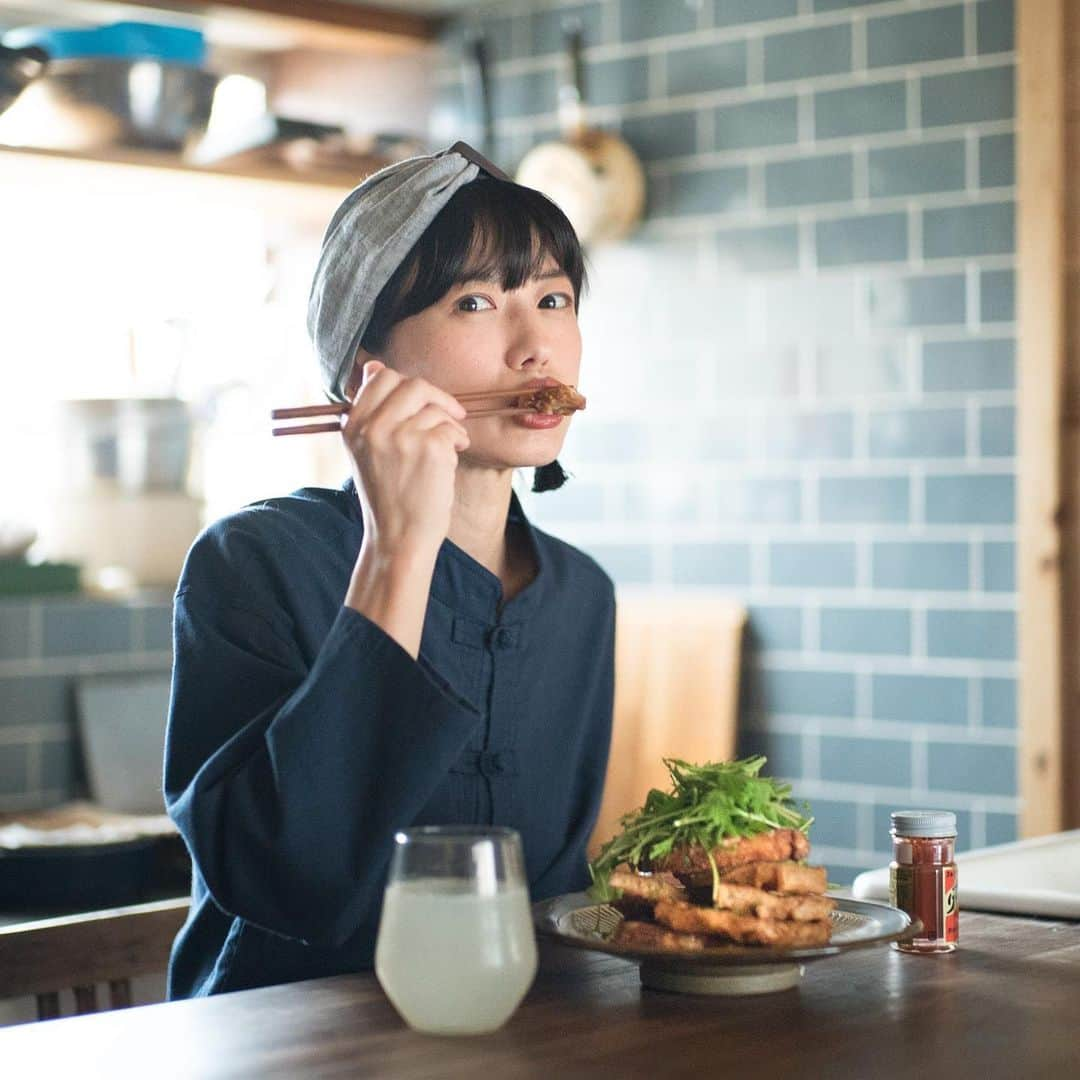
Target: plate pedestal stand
727,980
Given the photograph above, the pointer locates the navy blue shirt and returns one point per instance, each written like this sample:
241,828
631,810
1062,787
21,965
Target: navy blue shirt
301,736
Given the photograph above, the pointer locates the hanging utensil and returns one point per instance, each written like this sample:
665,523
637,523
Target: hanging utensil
478,49
593,175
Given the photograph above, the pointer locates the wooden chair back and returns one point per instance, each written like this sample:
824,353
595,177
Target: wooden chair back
79,951
677,664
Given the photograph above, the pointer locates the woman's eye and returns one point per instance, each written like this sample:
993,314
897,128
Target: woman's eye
555,300
474,303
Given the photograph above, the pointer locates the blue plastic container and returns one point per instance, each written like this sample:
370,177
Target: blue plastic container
117,41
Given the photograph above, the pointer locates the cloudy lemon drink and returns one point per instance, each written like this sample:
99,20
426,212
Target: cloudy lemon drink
456,950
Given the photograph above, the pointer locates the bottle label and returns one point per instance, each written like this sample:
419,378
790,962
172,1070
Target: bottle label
950,903
901,891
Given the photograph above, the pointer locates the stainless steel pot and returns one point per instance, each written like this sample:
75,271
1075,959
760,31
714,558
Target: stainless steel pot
18,68
89,104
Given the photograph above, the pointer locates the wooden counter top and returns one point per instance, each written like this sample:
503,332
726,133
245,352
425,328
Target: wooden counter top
1007,1003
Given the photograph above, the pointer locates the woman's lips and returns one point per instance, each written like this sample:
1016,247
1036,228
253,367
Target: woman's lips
538,421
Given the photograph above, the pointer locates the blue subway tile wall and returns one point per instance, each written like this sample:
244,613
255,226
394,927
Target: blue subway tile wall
46,645
801,371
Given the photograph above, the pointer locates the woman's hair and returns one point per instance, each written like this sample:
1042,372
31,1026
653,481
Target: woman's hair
489,230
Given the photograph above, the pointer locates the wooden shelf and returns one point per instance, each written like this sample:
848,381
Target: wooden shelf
262,25
328,181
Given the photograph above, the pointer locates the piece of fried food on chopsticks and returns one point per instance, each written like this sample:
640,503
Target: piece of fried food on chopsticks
744,929
561,399
785,877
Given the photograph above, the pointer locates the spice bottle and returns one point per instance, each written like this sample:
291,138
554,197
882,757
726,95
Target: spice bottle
922,877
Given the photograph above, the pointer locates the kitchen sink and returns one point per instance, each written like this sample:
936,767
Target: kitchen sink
1040,876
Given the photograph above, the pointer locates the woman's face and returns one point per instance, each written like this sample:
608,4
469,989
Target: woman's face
481,337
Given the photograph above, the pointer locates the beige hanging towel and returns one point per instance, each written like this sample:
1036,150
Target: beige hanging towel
677,658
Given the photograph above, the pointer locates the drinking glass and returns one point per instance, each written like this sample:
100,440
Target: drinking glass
456,950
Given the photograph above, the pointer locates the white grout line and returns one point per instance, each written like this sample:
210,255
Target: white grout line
971,162
971,431
970,37
914,232
976,566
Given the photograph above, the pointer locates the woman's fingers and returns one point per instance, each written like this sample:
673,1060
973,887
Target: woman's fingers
376,384
386,398
433,418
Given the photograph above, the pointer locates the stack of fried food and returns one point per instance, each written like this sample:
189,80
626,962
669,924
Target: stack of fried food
766,895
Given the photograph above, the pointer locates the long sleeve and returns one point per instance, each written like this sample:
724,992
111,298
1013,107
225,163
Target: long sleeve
288,778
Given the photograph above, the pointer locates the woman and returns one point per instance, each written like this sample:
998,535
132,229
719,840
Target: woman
407,649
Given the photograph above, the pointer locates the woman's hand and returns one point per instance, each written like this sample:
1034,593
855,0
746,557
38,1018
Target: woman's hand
404,436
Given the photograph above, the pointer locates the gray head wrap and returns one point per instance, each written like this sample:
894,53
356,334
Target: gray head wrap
368,237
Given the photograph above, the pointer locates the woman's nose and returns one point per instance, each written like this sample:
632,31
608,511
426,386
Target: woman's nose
529,345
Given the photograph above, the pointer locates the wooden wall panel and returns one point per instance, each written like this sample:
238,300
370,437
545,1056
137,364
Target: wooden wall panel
1071,334
1042,501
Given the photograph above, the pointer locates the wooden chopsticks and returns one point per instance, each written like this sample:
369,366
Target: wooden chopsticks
341,409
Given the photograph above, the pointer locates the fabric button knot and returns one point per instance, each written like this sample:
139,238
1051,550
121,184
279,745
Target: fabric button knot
502,637
491,763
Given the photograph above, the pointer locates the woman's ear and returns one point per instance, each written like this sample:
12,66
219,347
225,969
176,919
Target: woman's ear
356,376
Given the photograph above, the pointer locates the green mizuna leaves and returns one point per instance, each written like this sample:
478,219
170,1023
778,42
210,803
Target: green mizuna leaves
706,804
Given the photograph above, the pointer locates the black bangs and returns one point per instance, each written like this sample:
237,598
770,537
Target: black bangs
490,230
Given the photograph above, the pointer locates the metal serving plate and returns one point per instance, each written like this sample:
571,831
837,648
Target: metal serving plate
577,921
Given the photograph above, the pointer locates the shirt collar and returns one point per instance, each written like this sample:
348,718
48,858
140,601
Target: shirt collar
463,585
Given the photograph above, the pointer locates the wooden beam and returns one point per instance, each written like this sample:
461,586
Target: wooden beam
1041,380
